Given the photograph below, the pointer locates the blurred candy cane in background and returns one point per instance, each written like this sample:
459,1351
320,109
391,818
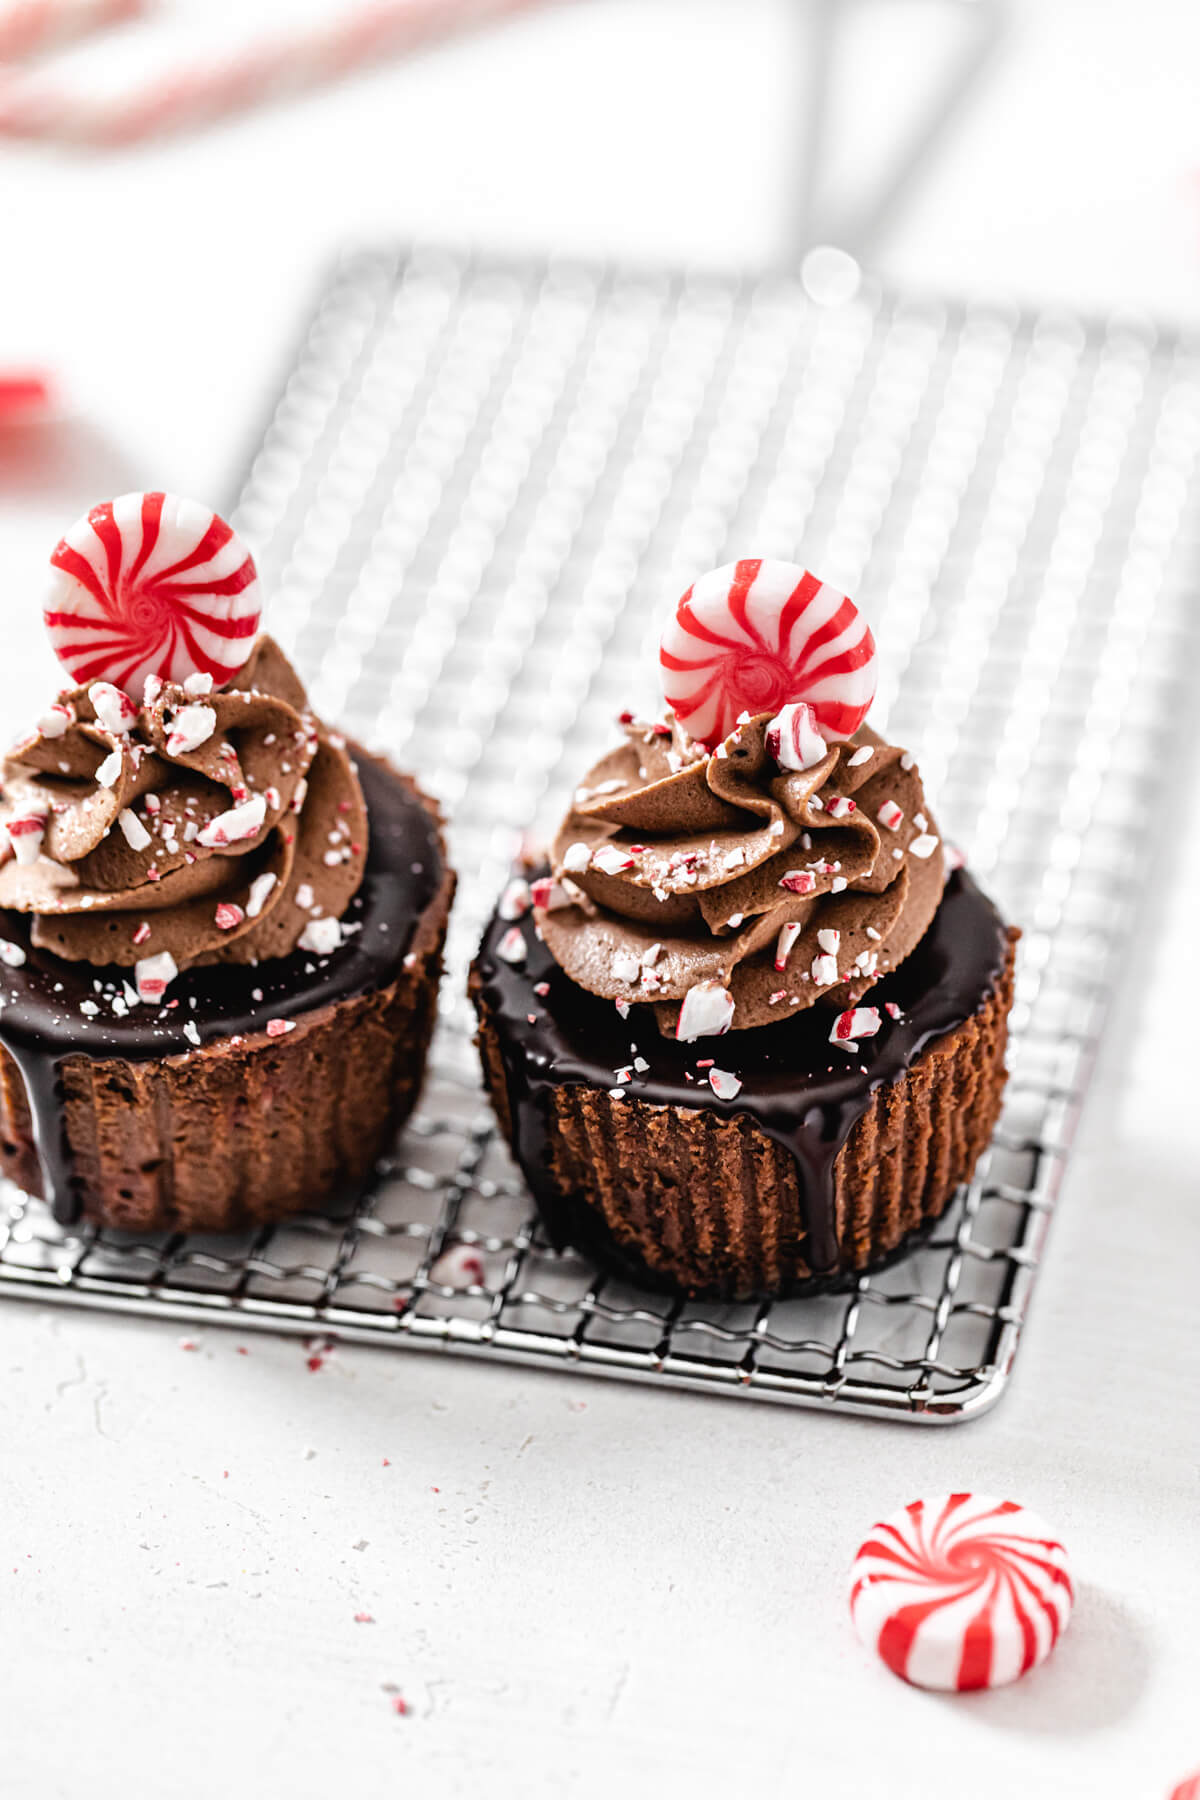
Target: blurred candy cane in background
38,106
36,25
24,395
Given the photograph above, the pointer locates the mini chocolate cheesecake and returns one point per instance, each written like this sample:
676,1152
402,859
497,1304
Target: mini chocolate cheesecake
221,927
746,1031
812,1169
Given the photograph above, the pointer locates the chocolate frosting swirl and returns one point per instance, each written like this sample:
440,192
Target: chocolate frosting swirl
226,851
675,869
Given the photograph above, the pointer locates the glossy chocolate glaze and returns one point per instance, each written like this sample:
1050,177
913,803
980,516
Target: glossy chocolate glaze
41,1023
797,1087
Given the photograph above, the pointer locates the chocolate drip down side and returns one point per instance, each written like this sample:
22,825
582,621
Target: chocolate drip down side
803,1093
45,1002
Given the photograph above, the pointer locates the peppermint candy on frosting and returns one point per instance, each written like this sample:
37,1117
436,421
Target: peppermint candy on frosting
150,585
758,636
961,1591
707,1011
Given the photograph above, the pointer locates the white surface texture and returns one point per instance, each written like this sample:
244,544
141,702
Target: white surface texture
579,1588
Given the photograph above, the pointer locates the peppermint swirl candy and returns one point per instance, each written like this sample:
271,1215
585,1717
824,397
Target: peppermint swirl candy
756,636
150,584
961,1591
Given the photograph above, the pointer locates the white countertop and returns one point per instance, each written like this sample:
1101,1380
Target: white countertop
577,1587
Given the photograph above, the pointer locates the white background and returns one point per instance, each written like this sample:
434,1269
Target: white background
583,1589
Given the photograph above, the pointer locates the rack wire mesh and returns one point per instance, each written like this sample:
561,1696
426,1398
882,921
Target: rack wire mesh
481,484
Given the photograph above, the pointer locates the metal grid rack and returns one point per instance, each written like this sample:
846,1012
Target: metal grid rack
481,485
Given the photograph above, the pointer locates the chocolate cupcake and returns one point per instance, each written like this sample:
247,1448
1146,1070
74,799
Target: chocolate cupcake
759,863
221,924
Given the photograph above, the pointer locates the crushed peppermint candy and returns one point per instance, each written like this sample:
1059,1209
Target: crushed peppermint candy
840,807
611,860
260,887
863,754
511,948
825,971
830,941
11,955
838,885
234,826
724,1085
892,1010
785,942
55,720
799,881
907,761
142,934
551,896
115,710
26,835
794,739
923,846
707,1011
88,1008
132,829
890,816
280,1027
858,1022
154,975
190,727
625,966
304,896
191,1032
322,936
516,899
200,683
458,1267
228,916
576,858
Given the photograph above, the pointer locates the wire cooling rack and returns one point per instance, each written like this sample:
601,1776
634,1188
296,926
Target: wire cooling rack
481,486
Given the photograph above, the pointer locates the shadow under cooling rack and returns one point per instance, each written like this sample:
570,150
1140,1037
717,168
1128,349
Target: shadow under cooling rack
481,484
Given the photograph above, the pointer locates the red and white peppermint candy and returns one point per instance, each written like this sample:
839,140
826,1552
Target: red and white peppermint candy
459,1267
848,1027
151,585
1188,1789
26,834
793,739
758,636
153,975
961,1591
233,827
707,1011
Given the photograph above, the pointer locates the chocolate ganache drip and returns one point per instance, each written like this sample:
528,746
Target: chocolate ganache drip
731,888
205,826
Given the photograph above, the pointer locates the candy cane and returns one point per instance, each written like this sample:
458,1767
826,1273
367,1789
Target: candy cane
760,636
38,25
264,71
151,585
